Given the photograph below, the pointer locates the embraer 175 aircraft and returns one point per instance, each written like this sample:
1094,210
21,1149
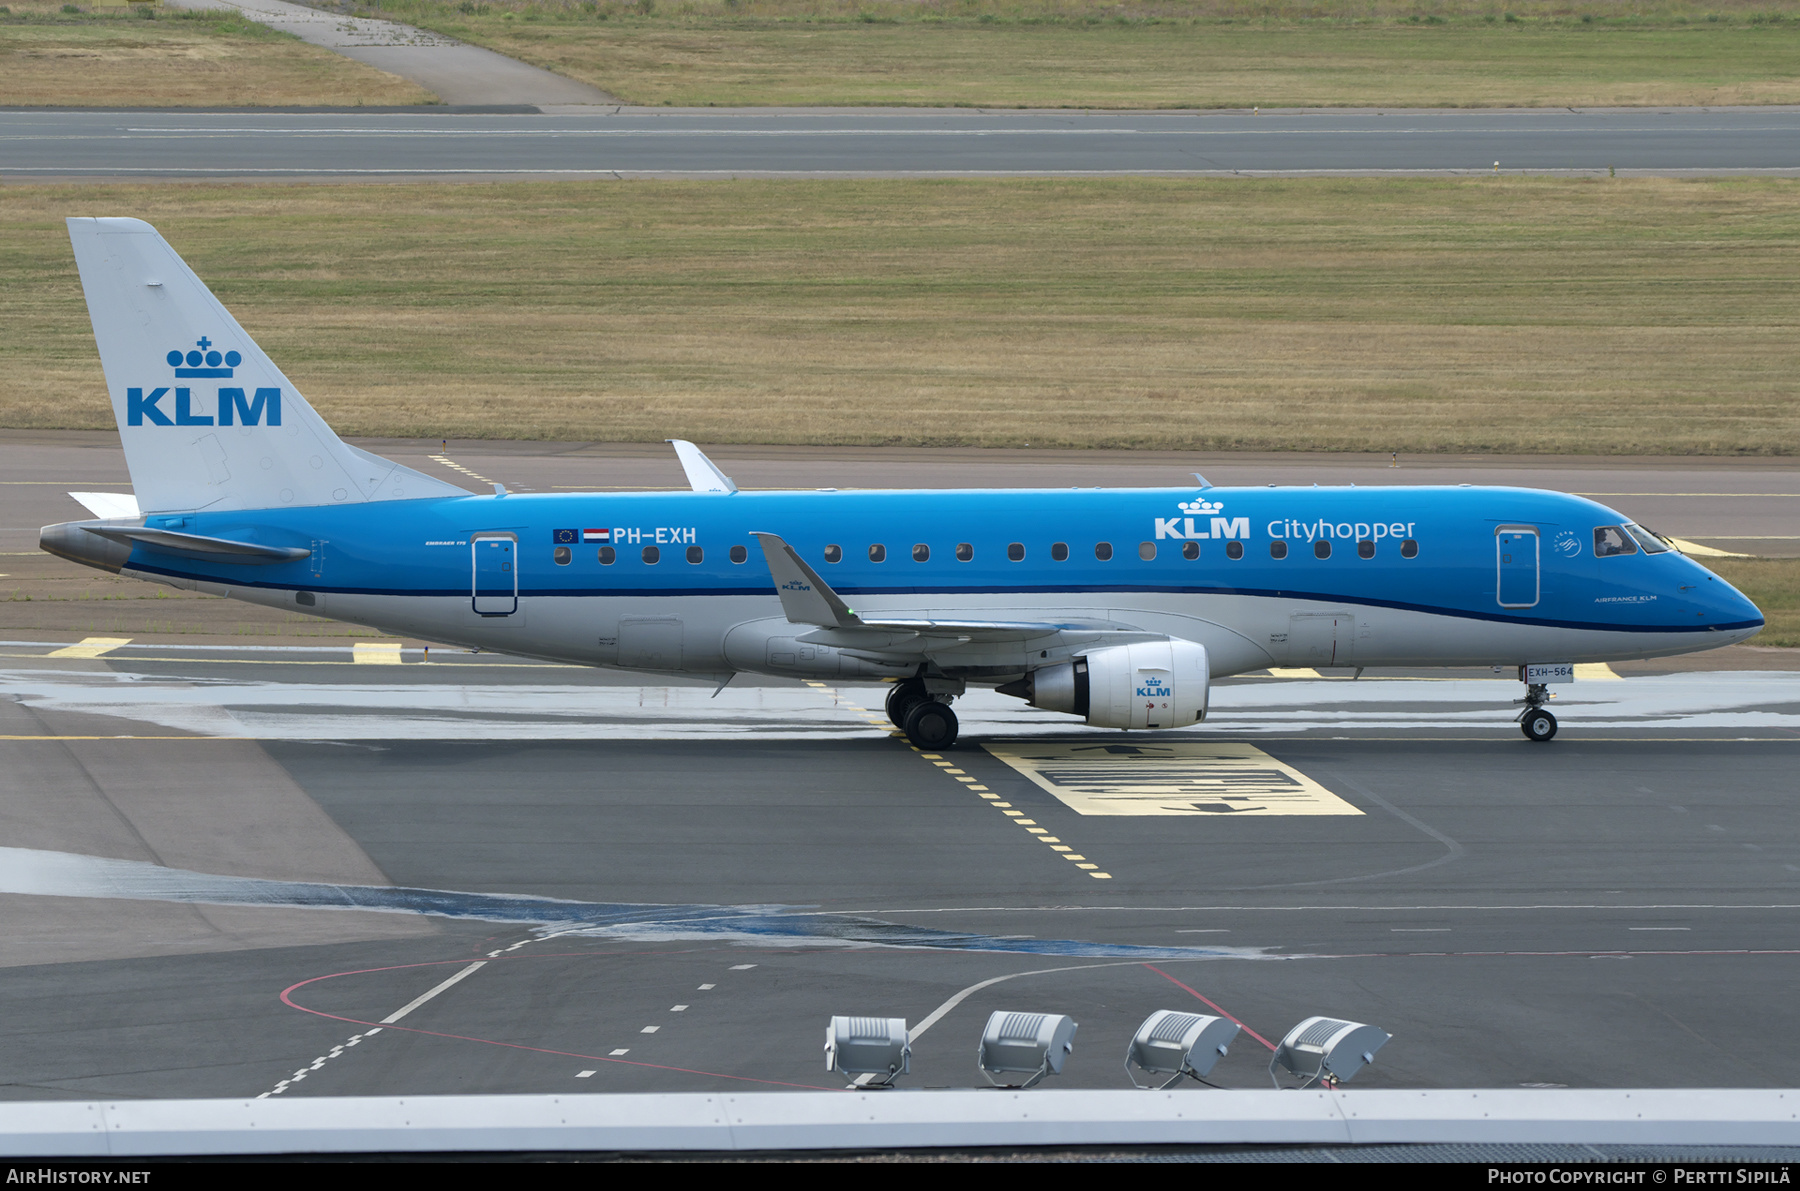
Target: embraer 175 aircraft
1118,606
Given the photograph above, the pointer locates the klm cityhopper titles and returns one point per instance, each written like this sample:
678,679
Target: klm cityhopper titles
1117,606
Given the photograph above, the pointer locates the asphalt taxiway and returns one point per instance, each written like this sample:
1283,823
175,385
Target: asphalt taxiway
590,141
270,862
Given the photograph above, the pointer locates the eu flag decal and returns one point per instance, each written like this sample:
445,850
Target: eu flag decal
566,537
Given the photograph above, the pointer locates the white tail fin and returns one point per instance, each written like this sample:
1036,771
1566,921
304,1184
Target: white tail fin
207,420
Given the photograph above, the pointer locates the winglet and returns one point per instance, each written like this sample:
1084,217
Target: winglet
702,473
806,598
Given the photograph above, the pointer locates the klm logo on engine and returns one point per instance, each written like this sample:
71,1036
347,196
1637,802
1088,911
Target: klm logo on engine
231,407
1198,510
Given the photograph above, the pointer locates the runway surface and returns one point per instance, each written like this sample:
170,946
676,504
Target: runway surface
265,861
587,141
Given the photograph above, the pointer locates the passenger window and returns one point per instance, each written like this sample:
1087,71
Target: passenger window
921,553
834,553
1190,550
1103,551
564,556
738,554
1409,549
1146,550
964,552
1016,552
1059,552
1365,549
607,555
695,554
1234,550
1612,539
1321,549
651,555
1278,549
877,553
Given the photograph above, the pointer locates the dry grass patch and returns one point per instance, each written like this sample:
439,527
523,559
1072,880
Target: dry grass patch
113,58
1773,584
1504,315
1144,53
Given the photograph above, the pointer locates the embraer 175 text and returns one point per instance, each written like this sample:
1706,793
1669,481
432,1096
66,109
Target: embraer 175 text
1118,606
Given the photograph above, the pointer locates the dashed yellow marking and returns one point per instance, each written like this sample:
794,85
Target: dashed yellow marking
454,466
1170,779
376,653
1005,808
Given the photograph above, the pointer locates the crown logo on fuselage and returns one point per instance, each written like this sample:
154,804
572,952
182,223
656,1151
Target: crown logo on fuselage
203,362
1201,508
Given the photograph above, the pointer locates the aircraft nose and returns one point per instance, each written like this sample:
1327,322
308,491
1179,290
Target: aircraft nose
1729,606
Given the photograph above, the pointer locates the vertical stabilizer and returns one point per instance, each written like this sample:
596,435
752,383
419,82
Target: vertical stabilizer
207,420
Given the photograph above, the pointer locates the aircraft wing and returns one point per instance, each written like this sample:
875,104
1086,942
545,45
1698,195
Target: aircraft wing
808,600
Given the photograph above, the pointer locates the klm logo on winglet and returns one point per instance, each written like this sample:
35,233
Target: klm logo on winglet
234,407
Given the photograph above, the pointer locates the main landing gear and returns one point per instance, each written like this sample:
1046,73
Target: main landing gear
928,724
1536,722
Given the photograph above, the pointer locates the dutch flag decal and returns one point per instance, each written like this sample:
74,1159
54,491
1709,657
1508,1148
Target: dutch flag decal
596,535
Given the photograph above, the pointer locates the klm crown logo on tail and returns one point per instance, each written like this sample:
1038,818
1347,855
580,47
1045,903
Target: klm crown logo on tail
234,407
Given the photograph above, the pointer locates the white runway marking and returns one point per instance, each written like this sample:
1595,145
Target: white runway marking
397,1014
1765,702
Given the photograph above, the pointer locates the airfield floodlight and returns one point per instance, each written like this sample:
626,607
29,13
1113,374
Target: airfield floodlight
1327,1050
875,1047
1029,1044
1177,1044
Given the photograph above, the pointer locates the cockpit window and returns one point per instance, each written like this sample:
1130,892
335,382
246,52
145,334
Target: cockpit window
1649,541
1612,539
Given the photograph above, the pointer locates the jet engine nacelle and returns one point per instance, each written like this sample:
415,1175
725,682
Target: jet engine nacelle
1150,684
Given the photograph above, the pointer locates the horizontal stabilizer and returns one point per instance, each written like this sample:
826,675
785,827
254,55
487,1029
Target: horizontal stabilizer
109,506
193,545
702,473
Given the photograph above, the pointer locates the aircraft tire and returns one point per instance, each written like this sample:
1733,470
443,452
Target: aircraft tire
931,725
902,697
1538,725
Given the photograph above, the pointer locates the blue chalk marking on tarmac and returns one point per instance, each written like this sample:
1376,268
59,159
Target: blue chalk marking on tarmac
67,874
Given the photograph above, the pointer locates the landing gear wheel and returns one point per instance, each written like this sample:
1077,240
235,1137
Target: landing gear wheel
1538,725
902,697
931,725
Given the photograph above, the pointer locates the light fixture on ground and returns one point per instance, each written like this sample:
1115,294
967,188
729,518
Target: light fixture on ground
1177,1044
1030,1044
871,1051
1327,1050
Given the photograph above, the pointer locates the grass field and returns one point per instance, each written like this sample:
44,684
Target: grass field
1603,316
1144,53
116,58
1773,584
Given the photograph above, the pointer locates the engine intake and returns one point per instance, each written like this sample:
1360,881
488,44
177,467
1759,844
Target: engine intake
1149,684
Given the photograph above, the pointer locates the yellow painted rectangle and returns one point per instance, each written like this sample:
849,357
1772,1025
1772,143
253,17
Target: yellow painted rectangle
90,647
376,653
1595,670
1294,672
1170,779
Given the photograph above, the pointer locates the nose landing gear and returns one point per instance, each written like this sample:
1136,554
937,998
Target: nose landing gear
1536,722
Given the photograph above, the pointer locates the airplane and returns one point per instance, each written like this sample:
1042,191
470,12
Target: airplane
1119,606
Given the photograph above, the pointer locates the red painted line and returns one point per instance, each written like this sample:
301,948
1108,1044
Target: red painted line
1215,1007
287,1000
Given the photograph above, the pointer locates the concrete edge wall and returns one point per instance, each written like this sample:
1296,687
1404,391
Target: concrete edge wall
895,1120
